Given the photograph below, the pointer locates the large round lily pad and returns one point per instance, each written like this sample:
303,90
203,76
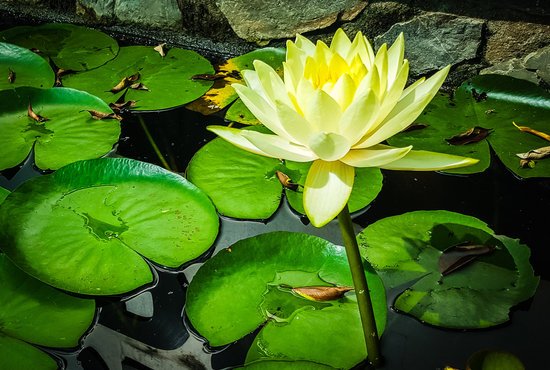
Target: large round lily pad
68,132
248,286
491,102
87,227
407,249
70,47
22,67
166,82
32,312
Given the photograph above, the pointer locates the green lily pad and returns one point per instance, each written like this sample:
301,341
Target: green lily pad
238,112
222,94
168,80
23,68
69,134
247,286
32,312
3,194
492,102
405,249
87,227
70,47
240,184
367,185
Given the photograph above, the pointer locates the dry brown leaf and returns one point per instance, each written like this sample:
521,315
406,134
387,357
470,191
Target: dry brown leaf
460,255
322,293
539,153
139,86
473,135
286,181
540,134
415,126
11,76
101,115
33,115
160,49
125,82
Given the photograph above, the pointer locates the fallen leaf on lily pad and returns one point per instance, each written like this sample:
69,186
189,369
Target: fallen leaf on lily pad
70,133
540,134
508,100
22,67
168,79
69,46
322,293
539,153
235,293
406,249
460,255
227,73
160,49
472,135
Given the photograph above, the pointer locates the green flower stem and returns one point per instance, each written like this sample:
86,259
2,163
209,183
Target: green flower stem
153,144
361,288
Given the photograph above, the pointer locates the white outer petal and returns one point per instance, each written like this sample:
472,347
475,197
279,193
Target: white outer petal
327,190
234,136
278,147
421,160
406,110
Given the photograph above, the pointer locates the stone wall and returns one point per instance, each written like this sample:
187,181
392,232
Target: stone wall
498,36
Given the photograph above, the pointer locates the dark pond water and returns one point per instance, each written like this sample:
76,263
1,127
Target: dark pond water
150,330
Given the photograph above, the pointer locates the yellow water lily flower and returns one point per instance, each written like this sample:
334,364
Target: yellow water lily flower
335,106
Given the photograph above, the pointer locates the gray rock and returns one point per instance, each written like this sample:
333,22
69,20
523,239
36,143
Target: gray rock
154,14
100,10
513,68
539,61
433,40
535,67
259,20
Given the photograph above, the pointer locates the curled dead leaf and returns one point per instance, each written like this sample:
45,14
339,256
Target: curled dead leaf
527,163
217,76
139,86
472,135
101,115
322,293
125,82
122,107
460,255
11,76
59,73
285,180
415,126
539,153
33,115
160,49
540,134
